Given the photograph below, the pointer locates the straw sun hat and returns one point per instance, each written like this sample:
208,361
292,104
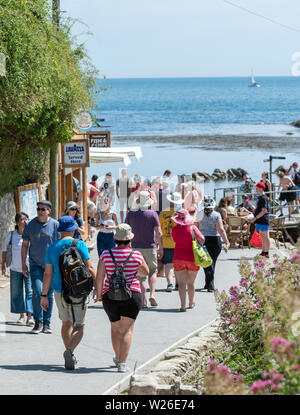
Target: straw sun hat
123,232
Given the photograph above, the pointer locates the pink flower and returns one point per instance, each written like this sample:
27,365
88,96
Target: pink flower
252,272
296,367
295,258
249,323
279,344
260,385
276,378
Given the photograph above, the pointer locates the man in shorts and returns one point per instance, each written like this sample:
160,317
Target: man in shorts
147,236
71,331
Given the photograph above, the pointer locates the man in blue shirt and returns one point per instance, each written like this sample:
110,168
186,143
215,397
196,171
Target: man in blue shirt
38,234
72,331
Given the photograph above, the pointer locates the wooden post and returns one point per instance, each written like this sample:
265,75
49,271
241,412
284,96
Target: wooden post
84,202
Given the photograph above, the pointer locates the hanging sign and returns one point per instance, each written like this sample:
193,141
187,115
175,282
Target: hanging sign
84,121
99,138
76,154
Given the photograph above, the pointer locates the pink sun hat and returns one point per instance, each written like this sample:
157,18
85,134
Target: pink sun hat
183,218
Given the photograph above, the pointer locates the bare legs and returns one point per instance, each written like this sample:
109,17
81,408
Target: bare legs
186,279
121,337
71,335
265,241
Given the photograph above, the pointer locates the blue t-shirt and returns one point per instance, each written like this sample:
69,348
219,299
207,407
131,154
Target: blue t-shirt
40,236
52,258
77,234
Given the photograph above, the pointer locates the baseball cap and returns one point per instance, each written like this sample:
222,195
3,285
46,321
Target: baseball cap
45,202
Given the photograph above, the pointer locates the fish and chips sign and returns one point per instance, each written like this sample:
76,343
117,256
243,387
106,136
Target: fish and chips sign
76,154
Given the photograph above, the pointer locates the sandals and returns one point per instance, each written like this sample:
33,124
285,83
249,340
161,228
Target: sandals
182,310
153,302
192,306
21,320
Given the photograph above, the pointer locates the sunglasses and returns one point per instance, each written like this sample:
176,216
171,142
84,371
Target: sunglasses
42,209
73,208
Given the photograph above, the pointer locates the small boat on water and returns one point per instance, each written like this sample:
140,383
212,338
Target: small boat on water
253,82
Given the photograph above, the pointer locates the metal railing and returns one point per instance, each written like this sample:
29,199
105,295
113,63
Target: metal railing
237,194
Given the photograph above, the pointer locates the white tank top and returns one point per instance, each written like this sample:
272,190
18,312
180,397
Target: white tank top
107,222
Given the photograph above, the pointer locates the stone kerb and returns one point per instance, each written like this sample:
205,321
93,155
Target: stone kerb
168,375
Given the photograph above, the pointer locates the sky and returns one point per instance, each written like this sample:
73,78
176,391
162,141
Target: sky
188,38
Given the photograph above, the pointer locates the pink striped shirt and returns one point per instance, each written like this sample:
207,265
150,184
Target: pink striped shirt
120,255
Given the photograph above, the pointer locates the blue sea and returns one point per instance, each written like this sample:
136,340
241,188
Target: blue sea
158,114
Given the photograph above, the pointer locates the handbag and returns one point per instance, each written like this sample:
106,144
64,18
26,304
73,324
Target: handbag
201,255
255,240
8,259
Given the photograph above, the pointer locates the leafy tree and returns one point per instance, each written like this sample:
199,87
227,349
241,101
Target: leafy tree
48,79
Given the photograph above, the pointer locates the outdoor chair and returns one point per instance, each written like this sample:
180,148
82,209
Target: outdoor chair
276,229
235,227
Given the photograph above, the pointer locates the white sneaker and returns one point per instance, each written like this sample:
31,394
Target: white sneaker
29,321
123,368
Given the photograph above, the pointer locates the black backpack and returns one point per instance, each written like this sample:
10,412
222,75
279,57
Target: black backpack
76,279
297,178
118,288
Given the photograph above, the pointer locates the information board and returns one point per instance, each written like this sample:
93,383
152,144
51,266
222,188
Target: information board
27,198
76,154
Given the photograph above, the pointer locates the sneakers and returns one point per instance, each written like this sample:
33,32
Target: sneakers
169,288
38,327
116,361
69,360
29,321
176,287
47,329
123,368
21,320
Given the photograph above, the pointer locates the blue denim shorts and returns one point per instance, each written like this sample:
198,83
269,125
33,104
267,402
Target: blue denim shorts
262,228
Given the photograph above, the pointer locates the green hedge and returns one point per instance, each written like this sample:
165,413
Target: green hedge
48,79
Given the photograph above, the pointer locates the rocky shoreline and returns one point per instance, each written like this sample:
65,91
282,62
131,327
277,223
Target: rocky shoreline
287,143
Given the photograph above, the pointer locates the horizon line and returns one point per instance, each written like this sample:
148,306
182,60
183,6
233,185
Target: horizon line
105,77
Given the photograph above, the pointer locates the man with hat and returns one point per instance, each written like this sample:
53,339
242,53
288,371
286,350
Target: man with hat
72,320
147,236
261,218
38,234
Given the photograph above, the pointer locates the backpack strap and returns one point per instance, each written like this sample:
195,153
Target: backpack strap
74,242
116,264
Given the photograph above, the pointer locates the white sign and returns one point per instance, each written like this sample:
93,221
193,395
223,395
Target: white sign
76,154
84,121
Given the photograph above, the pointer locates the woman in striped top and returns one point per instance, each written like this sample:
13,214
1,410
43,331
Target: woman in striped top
122,314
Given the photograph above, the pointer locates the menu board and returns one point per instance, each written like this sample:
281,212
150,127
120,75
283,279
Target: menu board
27,198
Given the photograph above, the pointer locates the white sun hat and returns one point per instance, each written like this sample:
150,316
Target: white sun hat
175,198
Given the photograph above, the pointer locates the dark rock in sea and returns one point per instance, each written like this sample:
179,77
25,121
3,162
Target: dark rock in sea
289,133
219,175
201,175
236,174
296,124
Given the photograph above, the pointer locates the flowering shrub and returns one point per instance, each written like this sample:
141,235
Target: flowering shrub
260,321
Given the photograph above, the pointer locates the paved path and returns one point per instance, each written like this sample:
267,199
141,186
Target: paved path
33,364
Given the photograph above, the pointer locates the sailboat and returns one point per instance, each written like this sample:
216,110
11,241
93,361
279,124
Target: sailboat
253,82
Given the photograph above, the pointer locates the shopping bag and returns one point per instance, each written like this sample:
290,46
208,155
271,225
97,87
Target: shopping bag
255,240
201,255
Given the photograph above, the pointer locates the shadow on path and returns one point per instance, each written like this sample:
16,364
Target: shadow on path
59,368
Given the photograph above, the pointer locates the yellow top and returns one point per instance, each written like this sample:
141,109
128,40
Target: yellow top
166,226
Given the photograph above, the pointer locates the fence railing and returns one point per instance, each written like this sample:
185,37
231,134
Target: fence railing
273,195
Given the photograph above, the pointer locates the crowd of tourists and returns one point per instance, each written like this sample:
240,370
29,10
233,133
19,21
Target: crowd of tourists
160,223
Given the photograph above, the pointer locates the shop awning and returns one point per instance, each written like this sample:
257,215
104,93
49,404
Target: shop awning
114,154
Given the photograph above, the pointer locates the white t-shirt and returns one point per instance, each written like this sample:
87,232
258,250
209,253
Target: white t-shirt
16,263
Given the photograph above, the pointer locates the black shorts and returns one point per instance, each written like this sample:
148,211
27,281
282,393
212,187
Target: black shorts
117,309
168,256
288,196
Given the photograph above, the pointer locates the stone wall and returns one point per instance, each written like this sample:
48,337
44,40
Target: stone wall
7,215
169,376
